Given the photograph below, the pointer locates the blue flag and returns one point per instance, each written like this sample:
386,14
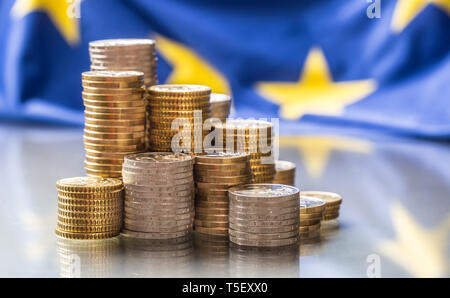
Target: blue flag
375,64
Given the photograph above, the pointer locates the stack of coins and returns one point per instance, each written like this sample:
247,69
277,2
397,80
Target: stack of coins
159,189
189,104
332,201
88,259
264,215
253,137
220,106
89,208
284,172
214,174
311,212
115,111
125,55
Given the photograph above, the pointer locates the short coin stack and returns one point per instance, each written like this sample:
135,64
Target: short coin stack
220,106
284,172
89,208
125,55
159,190
253,137
311,212
264,215
115,112
332,201
214,174
187,103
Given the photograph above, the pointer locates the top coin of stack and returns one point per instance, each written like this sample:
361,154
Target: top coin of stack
214,174
89,208
253,137
159,190
264,215
170,102
284,172
125,55
311,212
220,106
114,120
332,201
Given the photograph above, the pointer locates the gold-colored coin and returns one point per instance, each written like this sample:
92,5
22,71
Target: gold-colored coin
110,195
113,76
88,184
114,98
311,205
113,85
115,104
114,129
122,123
114,136
91,210
89,221
212,231
88,228
85,236
95,110
116,116
115,148
210,224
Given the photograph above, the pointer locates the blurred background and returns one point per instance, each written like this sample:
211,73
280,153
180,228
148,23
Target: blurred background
361,88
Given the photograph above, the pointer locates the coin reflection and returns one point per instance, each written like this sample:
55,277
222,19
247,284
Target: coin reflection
158,258
264,261
88,258
211,255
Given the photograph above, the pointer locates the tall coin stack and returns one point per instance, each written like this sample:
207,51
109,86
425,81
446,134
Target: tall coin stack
214,174
89,208
220,106
159,190
115,112
284,173
264,215
253,137
311,213
125,55
170,102
332,201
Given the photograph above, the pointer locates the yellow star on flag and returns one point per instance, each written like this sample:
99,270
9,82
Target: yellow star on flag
189,68
406,10
315,92
59,12
315,150
419,250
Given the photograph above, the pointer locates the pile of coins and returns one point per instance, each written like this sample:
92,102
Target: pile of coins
214,174
159,190
264,215
332,201
115,111
220,106
255,138
311,212
188,105
125,55
284,173
89,208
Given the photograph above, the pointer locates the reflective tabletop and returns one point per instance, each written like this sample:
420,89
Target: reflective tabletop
394,219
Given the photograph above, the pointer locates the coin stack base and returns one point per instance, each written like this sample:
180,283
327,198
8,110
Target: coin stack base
89,208
159,189
284,173
311,212
220,106
332,201
214,174
264,215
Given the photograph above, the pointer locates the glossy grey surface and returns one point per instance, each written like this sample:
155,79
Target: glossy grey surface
394,219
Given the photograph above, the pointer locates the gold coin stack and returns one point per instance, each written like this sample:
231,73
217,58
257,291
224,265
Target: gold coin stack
115,112
264,215
214,174
89,208
332,201
170,102
253,137
125,55
159,190
311,212
220,106
284,173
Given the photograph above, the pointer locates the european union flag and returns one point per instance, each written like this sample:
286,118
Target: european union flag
378,64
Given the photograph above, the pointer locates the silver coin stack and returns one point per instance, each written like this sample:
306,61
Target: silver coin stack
264,215
125,55
220,106
159,195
